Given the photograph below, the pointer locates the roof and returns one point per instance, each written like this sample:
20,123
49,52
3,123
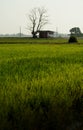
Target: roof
46,31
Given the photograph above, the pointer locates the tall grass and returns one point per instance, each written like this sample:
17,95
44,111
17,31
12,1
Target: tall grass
41,86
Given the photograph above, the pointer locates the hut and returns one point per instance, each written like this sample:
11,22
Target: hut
46,34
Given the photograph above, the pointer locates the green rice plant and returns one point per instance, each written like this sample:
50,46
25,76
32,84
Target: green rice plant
40,86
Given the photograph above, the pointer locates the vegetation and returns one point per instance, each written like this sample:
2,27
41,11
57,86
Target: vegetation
25,40
41,85
72,39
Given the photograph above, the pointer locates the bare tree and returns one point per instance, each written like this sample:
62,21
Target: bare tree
38,18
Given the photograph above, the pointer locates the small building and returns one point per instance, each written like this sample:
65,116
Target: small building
46,34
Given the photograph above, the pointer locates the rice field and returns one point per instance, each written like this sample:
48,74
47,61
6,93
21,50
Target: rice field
41,84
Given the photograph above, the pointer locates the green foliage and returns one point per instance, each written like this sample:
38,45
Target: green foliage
72,39
10,40
40,86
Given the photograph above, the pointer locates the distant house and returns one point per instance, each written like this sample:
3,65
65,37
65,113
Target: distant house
46,34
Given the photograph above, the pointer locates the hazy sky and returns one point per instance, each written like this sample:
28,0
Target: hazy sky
63,14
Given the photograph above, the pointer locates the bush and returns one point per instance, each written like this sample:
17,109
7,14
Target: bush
72,39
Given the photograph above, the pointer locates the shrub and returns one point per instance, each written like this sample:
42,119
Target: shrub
72,39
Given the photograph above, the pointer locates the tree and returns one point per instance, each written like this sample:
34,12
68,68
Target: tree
75,31
38,18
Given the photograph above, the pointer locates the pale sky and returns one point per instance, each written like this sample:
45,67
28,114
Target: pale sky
63,14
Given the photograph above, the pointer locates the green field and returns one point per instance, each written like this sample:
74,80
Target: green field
41,84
